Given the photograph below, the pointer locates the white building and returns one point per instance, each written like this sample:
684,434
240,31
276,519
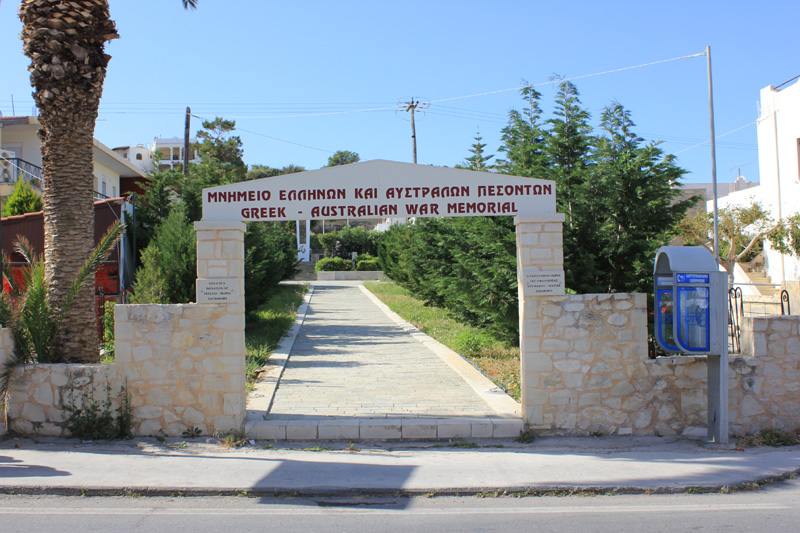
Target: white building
21,157
139,156
171,150
778,132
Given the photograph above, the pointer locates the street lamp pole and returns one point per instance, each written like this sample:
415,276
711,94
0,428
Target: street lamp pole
713,156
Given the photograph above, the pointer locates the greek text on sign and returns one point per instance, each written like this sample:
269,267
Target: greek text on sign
379,189
218,291
543,282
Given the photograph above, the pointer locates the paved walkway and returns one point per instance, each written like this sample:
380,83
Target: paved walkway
357,370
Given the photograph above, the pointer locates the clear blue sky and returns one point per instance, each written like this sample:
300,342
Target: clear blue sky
298,70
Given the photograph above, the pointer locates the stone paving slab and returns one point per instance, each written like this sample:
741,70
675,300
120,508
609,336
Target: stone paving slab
358,371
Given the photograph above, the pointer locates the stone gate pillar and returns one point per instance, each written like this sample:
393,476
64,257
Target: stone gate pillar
220,281
540,275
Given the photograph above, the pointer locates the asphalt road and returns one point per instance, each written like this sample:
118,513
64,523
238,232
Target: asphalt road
772,508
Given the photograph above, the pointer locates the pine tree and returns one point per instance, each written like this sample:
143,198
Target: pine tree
23,199
523,140
173,260
569,147
638,209
477,161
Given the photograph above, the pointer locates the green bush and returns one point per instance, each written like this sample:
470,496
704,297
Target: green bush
467,265
23,199
370,264
270,255
327,241
355,239
168,270
329,264
108,331
316,244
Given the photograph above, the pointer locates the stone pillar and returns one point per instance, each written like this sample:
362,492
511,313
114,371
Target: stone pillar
220,259
540,276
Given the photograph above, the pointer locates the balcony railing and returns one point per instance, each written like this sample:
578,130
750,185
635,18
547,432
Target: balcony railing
14,169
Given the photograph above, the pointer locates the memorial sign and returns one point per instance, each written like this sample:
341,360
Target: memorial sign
218,291
543,282
378,189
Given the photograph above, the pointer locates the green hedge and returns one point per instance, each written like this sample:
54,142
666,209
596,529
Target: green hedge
467,265
367,264
328,264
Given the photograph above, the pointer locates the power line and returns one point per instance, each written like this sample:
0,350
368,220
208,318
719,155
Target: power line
717,137
787,81
389,108
569,79
274,138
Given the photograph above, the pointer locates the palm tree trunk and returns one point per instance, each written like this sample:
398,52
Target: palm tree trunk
65,41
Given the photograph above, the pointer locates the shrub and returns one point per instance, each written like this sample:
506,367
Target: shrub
355,239
467,265
369,264
329,264
108,330
34,324
327,241
168,273
23,199
270,255
316,244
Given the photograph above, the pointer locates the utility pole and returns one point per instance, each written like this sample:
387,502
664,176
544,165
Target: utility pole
186,141
713,155
412,107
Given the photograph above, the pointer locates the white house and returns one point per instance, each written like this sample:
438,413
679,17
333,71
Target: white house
778,130
171,150
21,157
139,156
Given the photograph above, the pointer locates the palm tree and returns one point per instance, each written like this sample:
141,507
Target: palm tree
65,41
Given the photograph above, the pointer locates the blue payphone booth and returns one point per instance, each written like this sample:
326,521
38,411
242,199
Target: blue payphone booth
691,317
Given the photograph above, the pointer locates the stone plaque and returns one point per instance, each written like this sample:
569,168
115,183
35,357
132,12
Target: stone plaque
218,291
543,282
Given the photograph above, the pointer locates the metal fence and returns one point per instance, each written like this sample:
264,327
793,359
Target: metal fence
738,308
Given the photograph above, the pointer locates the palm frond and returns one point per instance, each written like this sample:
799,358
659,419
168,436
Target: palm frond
25,248
8,275
96,258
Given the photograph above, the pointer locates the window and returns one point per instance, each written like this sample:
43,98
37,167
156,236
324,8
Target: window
103,188
138,157
114,191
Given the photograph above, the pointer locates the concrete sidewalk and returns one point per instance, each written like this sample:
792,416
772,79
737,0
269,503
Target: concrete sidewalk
610,464
352,369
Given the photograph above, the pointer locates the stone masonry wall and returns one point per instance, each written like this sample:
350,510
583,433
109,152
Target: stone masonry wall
593,375
182,365
588,375
768,379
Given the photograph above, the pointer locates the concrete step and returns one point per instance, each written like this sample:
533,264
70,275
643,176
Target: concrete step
356,428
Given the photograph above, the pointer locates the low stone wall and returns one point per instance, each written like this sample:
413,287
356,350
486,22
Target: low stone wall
351,275
592,374
41,397
768,392
181,365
